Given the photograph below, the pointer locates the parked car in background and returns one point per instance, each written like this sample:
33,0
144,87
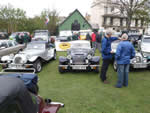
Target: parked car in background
63,38
41,35
79,57
31,58
3,35
8,47
15,97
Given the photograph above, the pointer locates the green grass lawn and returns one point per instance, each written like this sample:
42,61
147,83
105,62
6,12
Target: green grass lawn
83,92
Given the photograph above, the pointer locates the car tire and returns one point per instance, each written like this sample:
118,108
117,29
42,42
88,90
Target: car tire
37,65
55,55
60,70
115,66
97,70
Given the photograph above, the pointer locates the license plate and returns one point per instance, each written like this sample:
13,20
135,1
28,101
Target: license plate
15,66
140,66
79,67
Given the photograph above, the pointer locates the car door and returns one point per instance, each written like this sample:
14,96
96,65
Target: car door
48,51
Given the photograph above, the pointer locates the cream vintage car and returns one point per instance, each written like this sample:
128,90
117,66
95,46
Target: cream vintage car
31,58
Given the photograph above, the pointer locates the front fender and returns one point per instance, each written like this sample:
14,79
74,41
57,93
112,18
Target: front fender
5,58
95,59
62,59
32,59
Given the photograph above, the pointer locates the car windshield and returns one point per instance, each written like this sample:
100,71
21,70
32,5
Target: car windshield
41,34
83,34
13,34
36,46
146,40
81,45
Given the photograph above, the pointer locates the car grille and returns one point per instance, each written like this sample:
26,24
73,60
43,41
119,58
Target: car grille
17,60
78,59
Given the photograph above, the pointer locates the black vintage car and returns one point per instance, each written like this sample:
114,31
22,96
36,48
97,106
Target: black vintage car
79,57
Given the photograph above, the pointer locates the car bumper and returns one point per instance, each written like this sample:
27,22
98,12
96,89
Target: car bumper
139,65
78,67
19,68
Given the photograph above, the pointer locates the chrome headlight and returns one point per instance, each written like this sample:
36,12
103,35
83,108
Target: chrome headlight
87,61
18,60
89,56
144,60
69,57
138,59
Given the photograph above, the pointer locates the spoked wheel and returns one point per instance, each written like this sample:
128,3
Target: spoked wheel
37,65
115,65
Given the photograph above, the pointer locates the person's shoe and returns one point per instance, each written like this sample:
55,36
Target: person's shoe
106,82
116,86
125,85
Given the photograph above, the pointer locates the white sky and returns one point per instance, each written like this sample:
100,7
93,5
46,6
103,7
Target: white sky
34,7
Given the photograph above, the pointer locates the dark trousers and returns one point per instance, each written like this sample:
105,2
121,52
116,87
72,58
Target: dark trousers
104,69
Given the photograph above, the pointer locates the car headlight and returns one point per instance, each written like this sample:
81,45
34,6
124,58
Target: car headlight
89,56
144,60
138,59
69,57
87,61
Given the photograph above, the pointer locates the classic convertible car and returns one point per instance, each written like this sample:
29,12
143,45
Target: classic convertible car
30,58
16,98
79,57
139,61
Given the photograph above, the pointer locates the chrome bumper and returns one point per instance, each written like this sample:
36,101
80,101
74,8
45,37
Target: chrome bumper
139,65
79,67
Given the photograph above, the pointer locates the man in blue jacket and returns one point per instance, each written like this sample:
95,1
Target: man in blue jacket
106,54
125,52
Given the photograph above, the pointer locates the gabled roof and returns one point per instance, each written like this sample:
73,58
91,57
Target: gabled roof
72,14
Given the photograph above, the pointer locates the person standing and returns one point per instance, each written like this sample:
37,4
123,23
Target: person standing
106,54
98,41
93,36
125,52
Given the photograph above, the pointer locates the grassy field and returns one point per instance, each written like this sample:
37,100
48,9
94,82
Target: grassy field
84,92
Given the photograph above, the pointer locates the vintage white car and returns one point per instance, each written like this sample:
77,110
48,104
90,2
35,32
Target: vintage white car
30,58
80,56
139,61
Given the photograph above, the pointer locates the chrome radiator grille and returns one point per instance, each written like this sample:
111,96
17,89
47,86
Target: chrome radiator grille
78,59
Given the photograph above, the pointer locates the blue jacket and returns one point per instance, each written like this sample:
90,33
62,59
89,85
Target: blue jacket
125,52
106,47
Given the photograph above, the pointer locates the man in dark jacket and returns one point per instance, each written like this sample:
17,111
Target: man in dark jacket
98,41
125,52
106,54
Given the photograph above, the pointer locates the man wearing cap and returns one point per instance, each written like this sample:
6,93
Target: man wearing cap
106,54
125,52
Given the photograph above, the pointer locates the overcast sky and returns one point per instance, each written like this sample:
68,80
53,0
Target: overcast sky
34,7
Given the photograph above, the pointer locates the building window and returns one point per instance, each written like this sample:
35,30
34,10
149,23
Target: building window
105,19
111,21
121,21
142,22
105,10
112,9
136,22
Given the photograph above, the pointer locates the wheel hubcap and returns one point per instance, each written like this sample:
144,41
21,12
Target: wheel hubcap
39,66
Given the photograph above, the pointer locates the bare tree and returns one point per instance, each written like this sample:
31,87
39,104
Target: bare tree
129,8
